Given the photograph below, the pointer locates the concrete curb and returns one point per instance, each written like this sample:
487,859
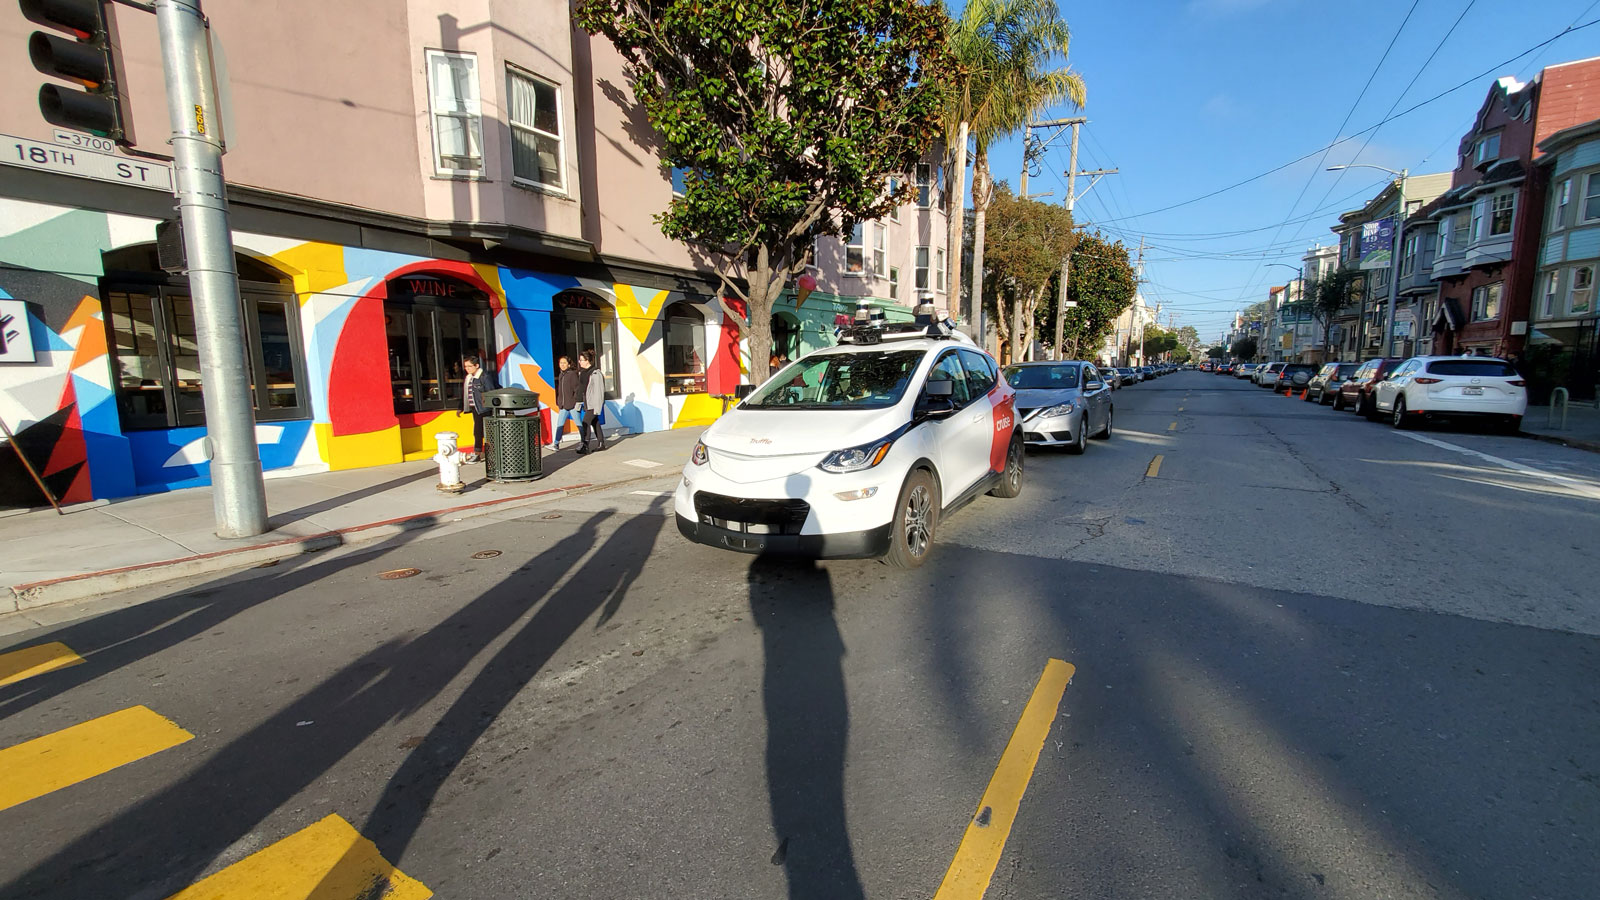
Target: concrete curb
1574,443
93,584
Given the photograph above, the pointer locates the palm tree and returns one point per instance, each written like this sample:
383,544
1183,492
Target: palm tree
1004,50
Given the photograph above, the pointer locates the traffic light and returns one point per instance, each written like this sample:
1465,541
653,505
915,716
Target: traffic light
84,59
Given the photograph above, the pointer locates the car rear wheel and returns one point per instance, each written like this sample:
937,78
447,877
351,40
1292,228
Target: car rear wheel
1399,416
1011,478
1306,395
1338,402
915,521
1080,441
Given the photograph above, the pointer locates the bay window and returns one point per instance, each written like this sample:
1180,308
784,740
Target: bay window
456,113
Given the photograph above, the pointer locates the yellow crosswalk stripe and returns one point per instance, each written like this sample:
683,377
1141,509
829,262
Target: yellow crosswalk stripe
329,860
64,758
35,660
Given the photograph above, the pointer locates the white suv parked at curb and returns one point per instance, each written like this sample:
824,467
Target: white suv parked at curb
1452,386
857,450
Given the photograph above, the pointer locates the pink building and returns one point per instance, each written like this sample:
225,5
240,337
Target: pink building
467,178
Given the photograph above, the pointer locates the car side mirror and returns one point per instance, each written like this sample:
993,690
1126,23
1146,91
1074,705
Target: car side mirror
1093,385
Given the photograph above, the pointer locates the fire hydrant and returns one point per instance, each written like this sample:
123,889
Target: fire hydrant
449,459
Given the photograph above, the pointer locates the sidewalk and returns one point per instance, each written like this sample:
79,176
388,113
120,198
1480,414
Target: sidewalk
1582,431
106,546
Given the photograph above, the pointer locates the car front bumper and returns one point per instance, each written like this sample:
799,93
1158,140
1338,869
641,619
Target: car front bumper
831,527
1055,431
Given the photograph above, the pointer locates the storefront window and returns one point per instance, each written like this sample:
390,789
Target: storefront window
685,345
431,324
155,350
785,338
580,322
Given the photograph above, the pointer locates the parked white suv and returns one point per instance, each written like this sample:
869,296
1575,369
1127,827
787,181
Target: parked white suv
1427,387
1265,376
856,451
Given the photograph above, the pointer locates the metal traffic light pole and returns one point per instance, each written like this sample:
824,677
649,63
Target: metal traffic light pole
239,496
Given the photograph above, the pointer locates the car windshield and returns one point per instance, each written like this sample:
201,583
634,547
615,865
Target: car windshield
872,379
1025,378
1481,368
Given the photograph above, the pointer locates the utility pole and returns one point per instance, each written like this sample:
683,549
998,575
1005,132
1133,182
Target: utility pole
239,497
1394,264
1062,303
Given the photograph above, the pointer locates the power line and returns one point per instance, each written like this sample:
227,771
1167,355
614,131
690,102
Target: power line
1400,115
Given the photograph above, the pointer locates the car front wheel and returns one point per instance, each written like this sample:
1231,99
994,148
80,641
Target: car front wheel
915,521
1105,434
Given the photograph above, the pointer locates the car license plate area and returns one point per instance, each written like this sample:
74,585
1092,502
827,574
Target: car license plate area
1472,391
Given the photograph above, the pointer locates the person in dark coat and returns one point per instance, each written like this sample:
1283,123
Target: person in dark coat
473,387
568,396
593,392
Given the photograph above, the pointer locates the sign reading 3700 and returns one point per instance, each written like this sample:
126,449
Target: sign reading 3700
15,151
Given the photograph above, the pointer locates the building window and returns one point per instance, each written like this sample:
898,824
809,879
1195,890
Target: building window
1486,302
1547,306
880,249
1443,247
1591,198
155,354
1408,261
1479,209
924,185
855,251
939,272
894,188
1488,149
680,180
894,284
1458,233
920,277
457,115
534,111
431,323
685,349
1580,297
1500,220
785,338
578,322
1563,197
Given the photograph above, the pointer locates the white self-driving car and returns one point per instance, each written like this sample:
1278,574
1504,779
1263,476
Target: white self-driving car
856,451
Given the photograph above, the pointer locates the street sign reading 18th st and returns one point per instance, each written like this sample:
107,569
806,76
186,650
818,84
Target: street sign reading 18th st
15,151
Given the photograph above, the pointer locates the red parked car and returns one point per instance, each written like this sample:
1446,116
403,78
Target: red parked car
1356,392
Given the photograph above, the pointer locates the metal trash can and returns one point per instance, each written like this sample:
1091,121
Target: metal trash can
513,437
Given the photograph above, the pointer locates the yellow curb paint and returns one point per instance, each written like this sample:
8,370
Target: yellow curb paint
328,860
1155,467
1173,427
64,758
37,660
969,873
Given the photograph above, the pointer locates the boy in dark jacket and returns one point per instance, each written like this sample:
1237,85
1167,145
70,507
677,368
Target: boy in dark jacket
477,382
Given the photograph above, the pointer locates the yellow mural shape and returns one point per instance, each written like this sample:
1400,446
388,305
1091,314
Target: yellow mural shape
635,316
418,442
355,451
698,410
320,267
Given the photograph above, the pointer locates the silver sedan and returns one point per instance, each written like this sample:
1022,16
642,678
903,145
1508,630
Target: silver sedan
1061,404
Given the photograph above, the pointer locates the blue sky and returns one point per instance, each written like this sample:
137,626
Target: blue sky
1188,96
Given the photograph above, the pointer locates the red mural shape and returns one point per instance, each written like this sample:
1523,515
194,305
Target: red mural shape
723,375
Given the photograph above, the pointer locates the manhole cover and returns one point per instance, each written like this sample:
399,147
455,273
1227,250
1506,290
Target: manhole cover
392,574
486,554
551,516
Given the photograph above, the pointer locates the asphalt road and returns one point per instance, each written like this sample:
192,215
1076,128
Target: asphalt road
1314,658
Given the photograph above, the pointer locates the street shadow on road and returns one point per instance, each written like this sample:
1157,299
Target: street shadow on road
164,842
808,727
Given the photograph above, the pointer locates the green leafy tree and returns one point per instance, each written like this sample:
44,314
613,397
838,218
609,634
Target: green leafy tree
1244,349
1029,240
1102,283
790,116
1158,341
1217,352
1189,340
1006,53
1325,298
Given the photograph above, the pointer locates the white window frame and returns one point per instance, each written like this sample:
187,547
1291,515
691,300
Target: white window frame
1443,247
1510,198
1480,214
894,188
941,271
515,71
1408,257
1591,192
1481,301
472,113
1563,199
1460,232
1552,289
1573,290
919,279
1479,156
880,250
894,282
926,188
856,243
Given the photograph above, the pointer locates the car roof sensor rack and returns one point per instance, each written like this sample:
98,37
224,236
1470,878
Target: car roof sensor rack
871,326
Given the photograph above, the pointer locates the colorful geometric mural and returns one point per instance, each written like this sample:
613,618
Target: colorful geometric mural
65,411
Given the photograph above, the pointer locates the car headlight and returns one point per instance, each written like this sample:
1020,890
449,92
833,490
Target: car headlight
857,459
1063,409
701,455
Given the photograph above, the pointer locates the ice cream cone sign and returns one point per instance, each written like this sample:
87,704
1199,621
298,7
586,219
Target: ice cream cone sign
804,285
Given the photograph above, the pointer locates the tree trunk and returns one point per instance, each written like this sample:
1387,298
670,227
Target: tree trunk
954,205
757,328
982,190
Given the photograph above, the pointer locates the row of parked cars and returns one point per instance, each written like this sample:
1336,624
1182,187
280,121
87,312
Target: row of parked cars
1122,376
1406,391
